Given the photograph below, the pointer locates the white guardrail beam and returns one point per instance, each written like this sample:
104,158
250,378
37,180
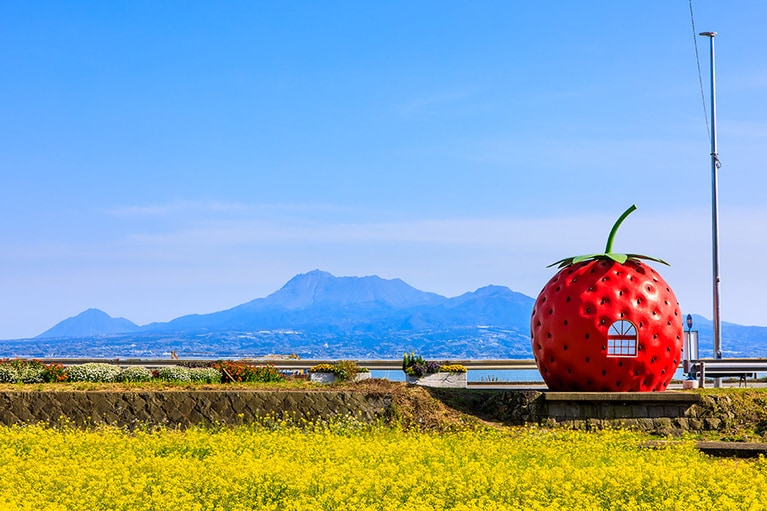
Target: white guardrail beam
717,367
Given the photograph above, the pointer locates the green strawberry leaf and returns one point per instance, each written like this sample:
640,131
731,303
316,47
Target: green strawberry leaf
562,263
579,259
618,258
649,258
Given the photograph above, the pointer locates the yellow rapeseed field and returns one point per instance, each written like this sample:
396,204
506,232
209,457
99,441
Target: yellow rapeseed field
347,466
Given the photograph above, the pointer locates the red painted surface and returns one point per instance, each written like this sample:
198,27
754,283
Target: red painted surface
572,341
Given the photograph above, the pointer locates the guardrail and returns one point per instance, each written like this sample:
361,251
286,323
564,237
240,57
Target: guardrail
727,367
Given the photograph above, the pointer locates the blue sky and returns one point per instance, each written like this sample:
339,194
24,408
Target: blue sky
165,158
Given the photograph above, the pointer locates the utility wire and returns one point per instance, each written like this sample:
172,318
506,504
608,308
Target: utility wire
700,75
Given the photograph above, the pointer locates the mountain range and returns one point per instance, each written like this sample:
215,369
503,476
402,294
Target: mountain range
318,315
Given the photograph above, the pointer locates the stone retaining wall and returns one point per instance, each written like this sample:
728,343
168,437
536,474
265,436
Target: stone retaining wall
661,413
184,408
664,413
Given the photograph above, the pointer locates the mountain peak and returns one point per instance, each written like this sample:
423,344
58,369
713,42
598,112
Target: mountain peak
317,287
91,322
93,313
488,292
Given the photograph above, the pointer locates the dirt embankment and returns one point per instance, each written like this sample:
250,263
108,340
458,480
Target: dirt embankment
738,415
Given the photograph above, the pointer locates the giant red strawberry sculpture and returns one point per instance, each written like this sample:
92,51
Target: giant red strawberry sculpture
607,322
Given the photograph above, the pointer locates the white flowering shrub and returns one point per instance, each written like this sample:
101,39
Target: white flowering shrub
32,374
175,373
135,374
94,372
205,375
8,374
22,371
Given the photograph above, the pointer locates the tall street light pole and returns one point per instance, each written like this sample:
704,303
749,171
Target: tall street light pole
715,207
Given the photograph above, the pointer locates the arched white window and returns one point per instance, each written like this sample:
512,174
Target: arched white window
622,339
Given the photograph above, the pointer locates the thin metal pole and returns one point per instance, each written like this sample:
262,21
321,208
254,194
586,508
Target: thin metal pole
715,209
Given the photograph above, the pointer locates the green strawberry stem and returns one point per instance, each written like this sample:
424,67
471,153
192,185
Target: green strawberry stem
611,237
608,253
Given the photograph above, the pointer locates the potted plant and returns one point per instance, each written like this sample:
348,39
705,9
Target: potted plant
341,371
348,370
433,374
322,373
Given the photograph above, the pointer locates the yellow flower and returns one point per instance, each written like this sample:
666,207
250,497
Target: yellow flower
348,465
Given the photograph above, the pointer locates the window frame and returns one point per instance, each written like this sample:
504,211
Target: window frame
622,339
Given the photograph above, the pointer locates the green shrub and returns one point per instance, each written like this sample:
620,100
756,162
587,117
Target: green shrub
19,370
346,370
411,359
205,375
55,373
8,374
343,370
193,363
94,372
175,374
12,371
415,365
32,371
135,374
242,372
